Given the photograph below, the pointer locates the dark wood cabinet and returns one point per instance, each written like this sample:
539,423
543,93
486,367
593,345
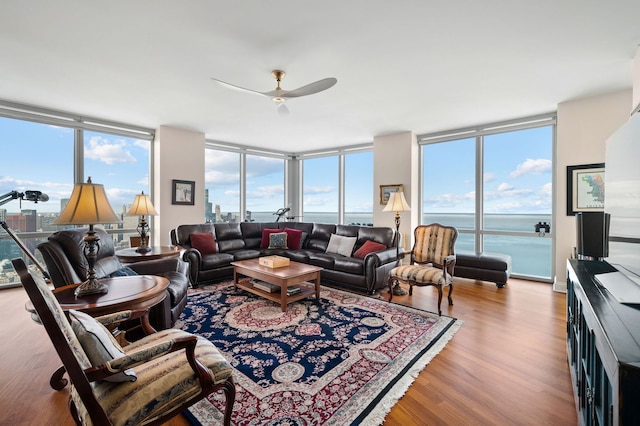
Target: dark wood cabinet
603,349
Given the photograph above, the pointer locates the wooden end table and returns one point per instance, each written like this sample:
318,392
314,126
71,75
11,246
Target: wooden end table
283,277
130,255
139,292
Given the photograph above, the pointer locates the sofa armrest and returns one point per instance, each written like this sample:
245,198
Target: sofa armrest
384,256
194,259
156,266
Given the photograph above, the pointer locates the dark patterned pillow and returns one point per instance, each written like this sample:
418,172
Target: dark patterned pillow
278,240
123,272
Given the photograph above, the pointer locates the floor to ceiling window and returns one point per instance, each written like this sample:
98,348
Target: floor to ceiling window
358,187
222,186
265,188
495,186
320,189
47,151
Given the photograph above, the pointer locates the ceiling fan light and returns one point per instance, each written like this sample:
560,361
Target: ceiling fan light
278,100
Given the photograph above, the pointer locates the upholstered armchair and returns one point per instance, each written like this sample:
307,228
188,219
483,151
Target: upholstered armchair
147,382
432,262
66,264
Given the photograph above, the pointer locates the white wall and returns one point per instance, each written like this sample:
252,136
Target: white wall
178,154
635,79
583,127
396,161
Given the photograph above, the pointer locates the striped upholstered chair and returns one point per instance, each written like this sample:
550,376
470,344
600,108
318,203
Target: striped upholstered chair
432,261
146,382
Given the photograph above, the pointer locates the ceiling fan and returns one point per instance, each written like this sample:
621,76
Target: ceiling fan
279,96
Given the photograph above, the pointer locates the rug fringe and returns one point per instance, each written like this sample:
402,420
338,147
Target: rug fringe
377,415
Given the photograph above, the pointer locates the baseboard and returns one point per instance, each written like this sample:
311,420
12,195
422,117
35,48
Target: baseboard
559,286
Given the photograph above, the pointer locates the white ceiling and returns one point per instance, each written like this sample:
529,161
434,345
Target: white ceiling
421,66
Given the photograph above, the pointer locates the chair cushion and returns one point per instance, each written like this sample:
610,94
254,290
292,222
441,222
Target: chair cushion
368,247
98,343
278,240
164,381
264,243
341,245
203,242
420,274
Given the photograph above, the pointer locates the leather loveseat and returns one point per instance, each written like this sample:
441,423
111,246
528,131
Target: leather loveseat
240,241
66,264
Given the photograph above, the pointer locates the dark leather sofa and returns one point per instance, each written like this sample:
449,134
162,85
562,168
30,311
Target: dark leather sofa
66,264
240,241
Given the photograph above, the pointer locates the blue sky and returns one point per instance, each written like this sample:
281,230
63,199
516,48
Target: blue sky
517,175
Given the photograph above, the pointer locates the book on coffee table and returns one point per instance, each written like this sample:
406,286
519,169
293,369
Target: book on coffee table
265,286
293,290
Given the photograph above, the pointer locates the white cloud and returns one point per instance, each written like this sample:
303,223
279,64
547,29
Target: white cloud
319,189
488,177
504,187
531,166
546,190
109,152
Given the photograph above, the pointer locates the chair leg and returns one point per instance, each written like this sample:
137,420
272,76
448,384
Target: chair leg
439,287
390,284
449,295
229,390
410,289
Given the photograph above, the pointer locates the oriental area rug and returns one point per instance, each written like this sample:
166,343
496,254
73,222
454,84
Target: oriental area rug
343,360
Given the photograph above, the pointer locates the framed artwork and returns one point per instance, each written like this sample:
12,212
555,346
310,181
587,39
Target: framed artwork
585,188
182,192
385,190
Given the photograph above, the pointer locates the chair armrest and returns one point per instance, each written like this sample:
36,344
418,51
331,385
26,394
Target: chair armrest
155,266
194,258
188,343
115,317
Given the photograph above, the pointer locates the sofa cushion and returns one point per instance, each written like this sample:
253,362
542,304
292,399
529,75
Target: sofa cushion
98,343
265,236
324,260
294,238
350,265
216,260
368,247
203,242
278,240
341,245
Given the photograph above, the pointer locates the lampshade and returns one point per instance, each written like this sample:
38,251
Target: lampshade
88,205
396,203
142,206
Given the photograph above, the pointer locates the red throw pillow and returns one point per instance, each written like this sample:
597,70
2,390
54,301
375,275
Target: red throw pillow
265,236
203,242
368,247
294,238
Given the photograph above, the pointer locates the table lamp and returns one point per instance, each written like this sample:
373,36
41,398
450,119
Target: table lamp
88,205
397,203
142,206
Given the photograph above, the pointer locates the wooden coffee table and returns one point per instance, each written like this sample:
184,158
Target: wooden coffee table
284,277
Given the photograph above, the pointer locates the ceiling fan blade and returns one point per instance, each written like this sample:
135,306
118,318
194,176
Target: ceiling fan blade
310,89
283,111
242,89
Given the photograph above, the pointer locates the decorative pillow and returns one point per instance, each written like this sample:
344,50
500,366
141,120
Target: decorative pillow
294,238
99,344
341,245
203,242
265,236
278,240
368,247
123,272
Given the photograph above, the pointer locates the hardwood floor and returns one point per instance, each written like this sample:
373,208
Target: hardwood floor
507,365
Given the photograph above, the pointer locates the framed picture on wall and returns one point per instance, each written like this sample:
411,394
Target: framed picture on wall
182,192
585,188
385,190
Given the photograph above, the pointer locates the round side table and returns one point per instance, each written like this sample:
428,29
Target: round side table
130,255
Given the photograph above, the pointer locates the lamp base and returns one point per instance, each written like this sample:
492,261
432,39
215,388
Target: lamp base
399,291
143,249
91,286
